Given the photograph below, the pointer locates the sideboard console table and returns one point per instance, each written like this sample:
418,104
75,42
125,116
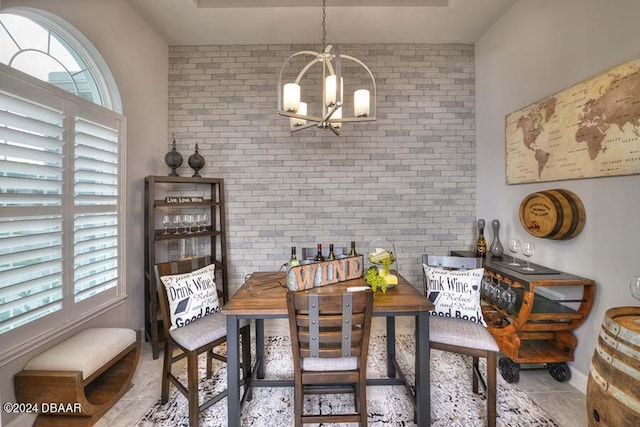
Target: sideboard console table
538,327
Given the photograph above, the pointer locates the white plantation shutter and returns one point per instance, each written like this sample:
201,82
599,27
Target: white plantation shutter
30,269
96,171
95,254
61,208
31,177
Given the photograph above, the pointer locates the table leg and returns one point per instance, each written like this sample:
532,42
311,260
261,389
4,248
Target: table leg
423,379
233,372
391,346
260,348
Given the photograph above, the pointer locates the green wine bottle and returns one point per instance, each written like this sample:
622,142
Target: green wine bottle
331,255
293,261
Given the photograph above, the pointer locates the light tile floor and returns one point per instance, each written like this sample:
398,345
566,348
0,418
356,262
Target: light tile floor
561,401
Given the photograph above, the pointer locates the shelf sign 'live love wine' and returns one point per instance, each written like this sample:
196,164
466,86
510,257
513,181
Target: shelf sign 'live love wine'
183,199
591,129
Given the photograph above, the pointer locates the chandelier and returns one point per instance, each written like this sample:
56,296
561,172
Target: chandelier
329,114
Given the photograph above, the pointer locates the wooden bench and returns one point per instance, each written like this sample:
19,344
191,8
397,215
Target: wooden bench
75,382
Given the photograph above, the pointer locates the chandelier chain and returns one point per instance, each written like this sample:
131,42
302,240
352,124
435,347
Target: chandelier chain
324,24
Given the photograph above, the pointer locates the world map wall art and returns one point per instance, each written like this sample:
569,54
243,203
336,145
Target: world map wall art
591,129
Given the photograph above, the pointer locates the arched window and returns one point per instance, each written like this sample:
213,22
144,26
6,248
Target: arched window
61,181
44,46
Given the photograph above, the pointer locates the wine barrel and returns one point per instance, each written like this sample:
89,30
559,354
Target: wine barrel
553,214
613,389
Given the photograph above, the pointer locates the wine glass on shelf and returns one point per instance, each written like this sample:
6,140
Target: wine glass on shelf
166,222
509,296
205,219
188,223
496,291
528,249
514,247
500,294
199,222
177,220
486,282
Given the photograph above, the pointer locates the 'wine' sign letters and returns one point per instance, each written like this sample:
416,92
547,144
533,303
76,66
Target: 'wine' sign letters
314,274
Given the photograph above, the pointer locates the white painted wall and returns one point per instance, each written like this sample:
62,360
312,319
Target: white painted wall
138,59
536,49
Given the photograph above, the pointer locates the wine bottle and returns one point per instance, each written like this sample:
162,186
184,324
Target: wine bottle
481,244
293,261
352,251
331,255
319,256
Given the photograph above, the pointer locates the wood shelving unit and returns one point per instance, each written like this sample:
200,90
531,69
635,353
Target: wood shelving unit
157,242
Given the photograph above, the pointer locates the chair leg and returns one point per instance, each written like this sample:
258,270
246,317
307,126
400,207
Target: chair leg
491,388
475,373
362,397
166,371
297,402
192,388
209,363
245,334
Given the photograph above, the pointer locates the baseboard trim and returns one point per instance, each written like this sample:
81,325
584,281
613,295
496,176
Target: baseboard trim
578,380
23,420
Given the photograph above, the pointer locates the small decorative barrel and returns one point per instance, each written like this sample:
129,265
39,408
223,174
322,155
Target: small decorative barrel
553,214
613,390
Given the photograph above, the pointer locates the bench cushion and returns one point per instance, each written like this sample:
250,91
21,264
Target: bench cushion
87,351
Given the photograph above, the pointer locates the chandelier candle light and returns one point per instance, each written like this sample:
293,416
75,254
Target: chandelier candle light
289,94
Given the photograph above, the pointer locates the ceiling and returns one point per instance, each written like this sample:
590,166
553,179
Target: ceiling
202,22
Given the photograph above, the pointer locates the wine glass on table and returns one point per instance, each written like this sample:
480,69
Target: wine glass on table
514,247
528,249
166,222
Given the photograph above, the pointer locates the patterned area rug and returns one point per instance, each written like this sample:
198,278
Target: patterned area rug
452,401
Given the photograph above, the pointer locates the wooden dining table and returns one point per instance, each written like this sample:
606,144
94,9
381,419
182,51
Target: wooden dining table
263,296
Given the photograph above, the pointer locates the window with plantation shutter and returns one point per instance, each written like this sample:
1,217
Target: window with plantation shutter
61,209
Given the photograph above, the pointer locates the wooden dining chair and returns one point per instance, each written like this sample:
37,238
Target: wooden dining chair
330,343
466,337
200,335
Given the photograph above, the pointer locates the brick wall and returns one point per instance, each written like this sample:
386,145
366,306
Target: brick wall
409,177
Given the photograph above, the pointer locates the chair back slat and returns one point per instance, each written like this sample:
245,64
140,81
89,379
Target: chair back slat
332,337
327,321
333,353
